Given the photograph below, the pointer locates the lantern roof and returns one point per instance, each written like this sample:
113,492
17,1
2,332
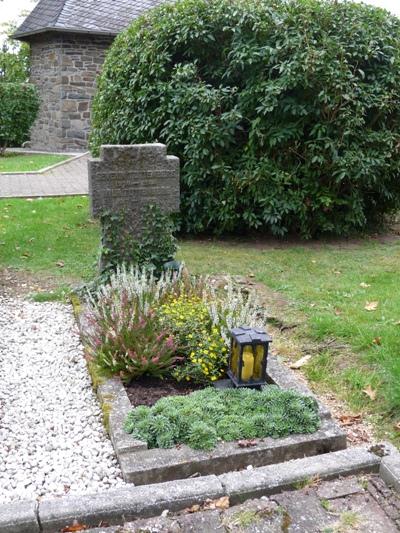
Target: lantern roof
248,335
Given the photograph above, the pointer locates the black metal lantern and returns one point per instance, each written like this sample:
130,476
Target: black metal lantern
248,357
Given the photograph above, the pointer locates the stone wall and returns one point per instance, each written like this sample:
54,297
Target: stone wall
64,68
130,177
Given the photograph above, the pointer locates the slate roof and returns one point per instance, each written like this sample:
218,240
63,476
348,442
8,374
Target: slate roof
102,17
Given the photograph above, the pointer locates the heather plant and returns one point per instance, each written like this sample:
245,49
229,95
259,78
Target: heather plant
230,307
129,344
185,314
203,418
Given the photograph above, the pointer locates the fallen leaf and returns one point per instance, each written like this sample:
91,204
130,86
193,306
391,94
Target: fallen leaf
371,306
60,264
370,392
247,443
193,509
365,285
397,426
313,261
220,503
377,341
301,362
338,312
74,528
337,272
348,420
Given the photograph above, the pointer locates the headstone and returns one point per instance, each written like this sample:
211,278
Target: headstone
130,177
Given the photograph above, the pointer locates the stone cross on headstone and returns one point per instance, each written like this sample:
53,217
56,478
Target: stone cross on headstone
130,177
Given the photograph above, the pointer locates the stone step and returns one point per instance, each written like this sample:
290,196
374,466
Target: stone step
158,465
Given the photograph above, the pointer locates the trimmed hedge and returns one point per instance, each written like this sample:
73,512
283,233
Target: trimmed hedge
19,104
285,115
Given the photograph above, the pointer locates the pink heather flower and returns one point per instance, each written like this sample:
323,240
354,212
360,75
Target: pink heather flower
155,359
170,343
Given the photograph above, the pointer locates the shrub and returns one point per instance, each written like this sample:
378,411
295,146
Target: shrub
185,308
131,346
19,104
285,115
203,417
119,326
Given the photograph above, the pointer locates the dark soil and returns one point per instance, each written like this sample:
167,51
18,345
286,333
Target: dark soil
147,390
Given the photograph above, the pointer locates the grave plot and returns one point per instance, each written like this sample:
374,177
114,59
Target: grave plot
183,421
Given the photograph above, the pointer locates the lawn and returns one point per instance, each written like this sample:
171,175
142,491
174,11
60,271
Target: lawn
25,162
343,291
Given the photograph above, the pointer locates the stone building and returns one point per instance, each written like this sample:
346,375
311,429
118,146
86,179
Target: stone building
68,40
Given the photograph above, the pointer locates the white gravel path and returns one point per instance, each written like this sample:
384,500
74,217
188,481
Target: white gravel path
52,439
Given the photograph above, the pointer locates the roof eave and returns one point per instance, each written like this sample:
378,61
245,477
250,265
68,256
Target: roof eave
24,36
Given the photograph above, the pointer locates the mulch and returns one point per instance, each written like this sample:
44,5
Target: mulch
147,390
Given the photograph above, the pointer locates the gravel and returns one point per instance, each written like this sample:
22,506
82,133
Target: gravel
52,439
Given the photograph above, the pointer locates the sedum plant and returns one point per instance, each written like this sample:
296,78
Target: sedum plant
203,418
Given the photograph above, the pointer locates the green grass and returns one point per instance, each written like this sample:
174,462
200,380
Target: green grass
25,162
322,282
53,236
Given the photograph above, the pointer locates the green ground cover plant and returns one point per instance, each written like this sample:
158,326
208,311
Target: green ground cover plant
285,115
203,418
321,282
25,162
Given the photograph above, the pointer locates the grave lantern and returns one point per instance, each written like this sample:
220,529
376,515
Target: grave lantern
248,357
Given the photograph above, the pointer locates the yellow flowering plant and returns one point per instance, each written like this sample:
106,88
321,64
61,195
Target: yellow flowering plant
201,344
207,360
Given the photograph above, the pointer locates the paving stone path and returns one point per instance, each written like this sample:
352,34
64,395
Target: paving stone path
68,179
356,504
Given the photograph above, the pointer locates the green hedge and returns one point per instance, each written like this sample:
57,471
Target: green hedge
285,115
19,104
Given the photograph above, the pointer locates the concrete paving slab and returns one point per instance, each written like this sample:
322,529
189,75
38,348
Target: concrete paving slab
126,504
19,517
272,479
67,179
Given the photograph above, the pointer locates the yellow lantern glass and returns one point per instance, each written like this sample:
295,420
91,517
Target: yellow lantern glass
248,357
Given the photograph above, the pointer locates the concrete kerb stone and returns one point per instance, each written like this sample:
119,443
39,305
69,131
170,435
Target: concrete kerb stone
240,486
158,465
115,401
127,504
390,468
19,517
